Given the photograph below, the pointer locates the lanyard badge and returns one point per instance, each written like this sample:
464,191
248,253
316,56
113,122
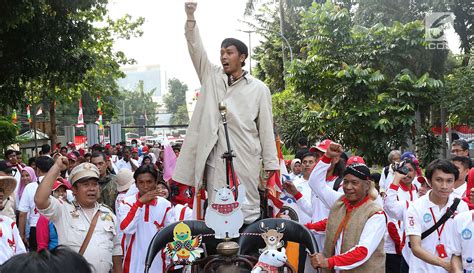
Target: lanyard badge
440,247
441,251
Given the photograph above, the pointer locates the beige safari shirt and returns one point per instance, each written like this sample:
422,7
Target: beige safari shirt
72,224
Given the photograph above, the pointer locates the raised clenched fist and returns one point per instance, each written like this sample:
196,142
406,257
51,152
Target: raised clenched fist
190,8
334,150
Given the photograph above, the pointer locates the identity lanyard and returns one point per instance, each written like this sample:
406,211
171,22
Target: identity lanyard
439,231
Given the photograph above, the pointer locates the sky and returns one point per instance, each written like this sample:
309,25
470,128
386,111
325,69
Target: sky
163,41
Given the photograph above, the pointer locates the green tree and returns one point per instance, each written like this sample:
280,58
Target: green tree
68,53
139,106
363,96
175,101
272,22
9,133
181,116
460,95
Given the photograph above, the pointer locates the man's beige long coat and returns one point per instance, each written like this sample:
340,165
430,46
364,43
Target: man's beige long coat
250,125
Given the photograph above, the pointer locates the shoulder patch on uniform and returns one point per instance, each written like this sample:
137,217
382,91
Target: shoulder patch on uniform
105,206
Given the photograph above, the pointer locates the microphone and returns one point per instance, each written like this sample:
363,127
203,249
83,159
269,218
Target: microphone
222,108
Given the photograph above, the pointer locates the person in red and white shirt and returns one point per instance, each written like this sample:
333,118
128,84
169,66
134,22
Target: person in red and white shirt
142,216
431,254
179,212
10,240
399,195
462,243
358,190
307,200
300,190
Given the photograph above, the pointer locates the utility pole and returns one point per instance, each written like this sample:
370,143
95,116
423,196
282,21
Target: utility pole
250,47
282,30
123,112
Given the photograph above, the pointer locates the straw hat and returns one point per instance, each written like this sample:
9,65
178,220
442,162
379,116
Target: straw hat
8,185
124,179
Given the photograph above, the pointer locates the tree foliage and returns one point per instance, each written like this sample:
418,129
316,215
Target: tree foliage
363,74
460,96
9,132
55,52
139,105
175,101
357,77
181,117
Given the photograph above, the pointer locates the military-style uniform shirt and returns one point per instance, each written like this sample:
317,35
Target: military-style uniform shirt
108,191
72,224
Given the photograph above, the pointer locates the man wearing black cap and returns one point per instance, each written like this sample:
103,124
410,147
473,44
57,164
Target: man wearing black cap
248,108
356,224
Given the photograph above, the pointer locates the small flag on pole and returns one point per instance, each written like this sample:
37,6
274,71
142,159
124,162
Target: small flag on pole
80,117
28,113
99,111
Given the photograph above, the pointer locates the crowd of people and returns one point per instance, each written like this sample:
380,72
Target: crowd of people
106,204
361,221
72,210
401,220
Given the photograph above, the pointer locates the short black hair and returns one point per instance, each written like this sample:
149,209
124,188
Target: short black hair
465,161
241,47
375,177
31,161
45,148
59,259
146,169
303,141
9,152
44,163
340,167
98,154
308,154
443,165
147,157
461,142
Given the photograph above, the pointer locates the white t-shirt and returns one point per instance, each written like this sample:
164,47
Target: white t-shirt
27,202
462,243
122,164
460,192
420,218
9,235
302,186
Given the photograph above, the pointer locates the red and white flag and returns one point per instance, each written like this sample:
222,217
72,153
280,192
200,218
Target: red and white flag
274,185
80,117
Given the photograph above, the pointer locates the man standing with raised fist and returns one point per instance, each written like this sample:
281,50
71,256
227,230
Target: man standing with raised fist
249,116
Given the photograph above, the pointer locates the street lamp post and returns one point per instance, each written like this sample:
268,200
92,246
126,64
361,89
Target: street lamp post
250,47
